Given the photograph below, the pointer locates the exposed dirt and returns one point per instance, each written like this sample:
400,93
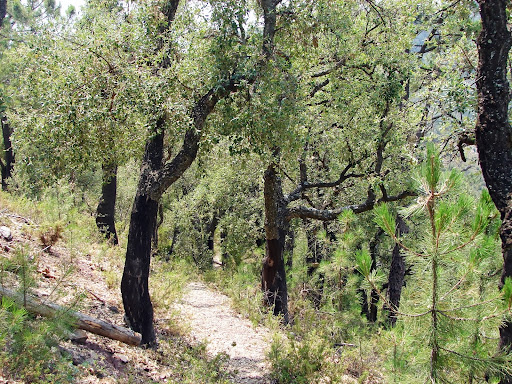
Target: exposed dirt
212,320
101,360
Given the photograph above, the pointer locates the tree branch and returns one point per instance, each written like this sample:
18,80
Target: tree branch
465,139
338,65
332,214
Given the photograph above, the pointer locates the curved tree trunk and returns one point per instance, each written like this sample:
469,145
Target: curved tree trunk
493,131
8,167
156,177
143,220
273,277
106,207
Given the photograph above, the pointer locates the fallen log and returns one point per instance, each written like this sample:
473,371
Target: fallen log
80,320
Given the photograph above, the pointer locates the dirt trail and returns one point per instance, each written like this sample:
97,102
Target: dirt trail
212,320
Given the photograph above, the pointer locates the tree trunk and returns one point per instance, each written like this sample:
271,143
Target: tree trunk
289,244
210,230
8,167
273,278
371,315
396,273
3,11
106,208
156,177
493,132
160,220
143,220
80,320
174,238
311,256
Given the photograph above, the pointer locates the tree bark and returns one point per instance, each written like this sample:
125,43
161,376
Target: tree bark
8,167
156,177
3,11
134,284
289,244
371,315
273,277
105,212
396,273
160,220
211,227
493,132
81,321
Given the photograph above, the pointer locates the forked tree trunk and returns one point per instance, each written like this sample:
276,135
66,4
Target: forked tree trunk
273,278
105,212
156,177
396,273
493,132
8,166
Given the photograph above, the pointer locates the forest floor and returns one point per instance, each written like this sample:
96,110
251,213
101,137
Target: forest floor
228,343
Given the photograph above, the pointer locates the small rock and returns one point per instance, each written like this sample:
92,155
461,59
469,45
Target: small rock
78,336
113,309
123,358
5,232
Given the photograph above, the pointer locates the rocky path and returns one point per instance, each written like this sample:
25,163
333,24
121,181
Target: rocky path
212,320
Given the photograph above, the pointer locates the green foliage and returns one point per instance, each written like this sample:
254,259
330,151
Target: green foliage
385,219
452,291
295,361
28,348
506,290
191,364
364,262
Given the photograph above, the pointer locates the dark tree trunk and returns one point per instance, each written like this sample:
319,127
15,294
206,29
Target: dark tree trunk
8,167
374,296
143,220
3,11
156,177
493,132
311,256
396,273
105,212
369,309
159,222
273,278
364,302
210,229
174,238
289,244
